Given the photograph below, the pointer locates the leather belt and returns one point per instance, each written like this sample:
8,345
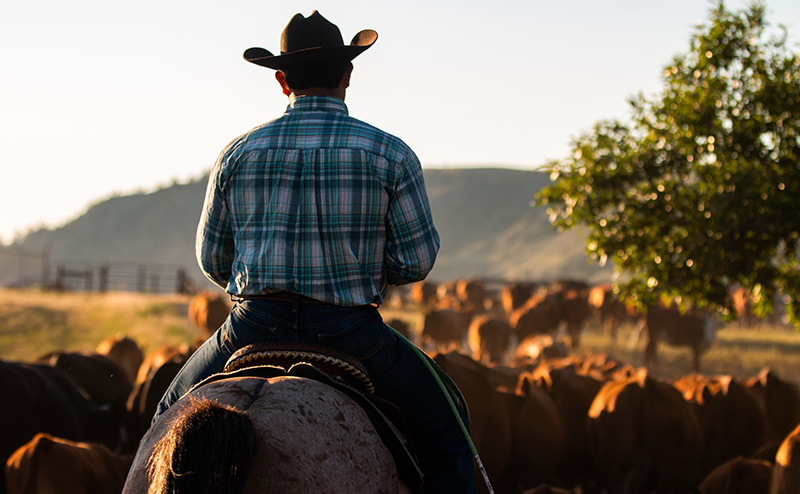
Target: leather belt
282,297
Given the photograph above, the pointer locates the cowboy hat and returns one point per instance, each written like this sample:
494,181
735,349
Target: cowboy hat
311,39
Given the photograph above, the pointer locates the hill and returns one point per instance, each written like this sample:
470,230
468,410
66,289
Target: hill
487,223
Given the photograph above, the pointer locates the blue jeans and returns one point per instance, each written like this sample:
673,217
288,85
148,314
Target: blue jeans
396,371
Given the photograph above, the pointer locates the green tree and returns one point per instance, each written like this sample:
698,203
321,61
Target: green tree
700,191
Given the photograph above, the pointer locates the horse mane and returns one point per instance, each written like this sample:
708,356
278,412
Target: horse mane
208,450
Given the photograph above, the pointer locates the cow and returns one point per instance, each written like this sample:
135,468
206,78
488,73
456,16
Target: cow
539,442
155,375
572,394
490,425
732,421
402,327
125,352
539,315
102,382
536,347
40,398
472,293
571,307
424,293
644,437
445,328
780,400
514,295
208,310
489,338
610,311
786,472
739,475
694,328
48,464
98,377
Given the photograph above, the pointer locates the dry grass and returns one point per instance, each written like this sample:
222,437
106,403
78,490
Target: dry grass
33,323
739,352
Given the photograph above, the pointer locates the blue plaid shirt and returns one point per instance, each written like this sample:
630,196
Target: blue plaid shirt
316,203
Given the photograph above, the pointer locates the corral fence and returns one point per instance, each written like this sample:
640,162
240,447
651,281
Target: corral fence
26,268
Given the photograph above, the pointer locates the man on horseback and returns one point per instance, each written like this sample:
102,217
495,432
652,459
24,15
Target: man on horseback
306,220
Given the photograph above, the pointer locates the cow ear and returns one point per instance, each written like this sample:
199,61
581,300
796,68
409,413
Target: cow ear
523,384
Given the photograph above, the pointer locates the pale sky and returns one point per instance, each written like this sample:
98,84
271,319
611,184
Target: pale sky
101,97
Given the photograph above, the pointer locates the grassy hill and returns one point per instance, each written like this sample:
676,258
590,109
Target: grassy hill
485,218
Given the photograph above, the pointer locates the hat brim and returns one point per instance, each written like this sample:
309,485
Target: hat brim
361,41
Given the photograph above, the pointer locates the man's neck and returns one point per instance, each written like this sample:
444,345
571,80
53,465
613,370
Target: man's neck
338,92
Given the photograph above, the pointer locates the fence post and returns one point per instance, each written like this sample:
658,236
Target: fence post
102,279
183,282
141,279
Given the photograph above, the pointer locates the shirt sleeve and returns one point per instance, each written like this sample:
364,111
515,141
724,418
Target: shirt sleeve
214,246
412,241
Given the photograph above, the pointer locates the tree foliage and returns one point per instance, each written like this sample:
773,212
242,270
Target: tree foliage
700,191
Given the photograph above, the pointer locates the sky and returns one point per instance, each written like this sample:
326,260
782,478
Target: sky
101,98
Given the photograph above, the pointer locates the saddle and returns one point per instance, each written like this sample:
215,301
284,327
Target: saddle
339,370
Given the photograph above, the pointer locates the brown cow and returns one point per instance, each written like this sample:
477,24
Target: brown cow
208,310
780,400
732,421
39,398
644,437
695,329
739,476
539,315
47,464
539,443
534,348
489,338
402,327
514,295
611,312
572,395
156,373
445,329
472,293
423,293
786,473
571,307
490,426
125,352
102,381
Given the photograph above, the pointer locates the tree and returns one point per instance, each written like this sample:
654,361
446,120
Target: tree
700,191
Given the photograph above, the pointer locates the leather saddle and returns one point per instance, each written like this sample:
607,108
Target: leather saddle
339,370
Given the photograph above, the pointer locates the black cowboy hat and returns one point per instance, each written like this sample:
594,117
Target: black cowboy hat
311,39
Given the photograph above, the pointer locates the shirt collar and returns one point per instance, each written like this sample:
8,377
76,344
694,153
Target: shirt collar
317,103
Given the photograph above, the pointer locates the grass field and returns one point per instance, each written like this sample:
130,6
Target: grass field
34,323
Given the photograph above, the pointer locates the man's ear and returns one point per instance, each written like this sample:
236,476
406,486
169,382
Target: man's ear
346,76
282,81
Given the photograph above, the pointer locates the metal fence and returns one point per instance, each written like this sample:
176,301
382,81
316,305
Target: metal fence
26,268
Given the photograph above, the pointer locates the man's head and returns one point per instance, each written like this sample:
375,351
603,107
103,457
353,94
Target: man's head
327,74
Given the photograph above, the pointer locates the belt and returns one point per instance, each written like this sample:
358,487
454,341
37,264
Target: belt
282,297
289,297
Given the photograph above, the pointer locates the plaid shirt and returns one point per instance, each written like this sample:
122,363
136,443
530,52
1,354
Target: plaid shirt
316,203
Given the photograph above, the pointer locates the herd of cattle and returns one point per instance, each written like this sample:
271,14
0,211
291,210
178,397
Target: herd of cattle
539,417
518,320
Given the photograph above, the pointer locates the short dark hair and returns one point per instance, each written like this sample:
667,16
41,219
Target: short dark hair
326,74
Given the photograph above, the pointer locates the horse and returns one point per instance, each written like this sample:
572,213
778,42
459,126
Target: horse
245,432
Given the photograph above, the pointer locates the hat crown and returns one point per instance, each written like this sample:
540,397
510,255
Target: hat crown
313,31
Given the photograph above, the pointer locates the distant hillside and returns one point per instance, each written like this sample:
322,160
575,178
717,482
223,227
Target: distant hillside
485,218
